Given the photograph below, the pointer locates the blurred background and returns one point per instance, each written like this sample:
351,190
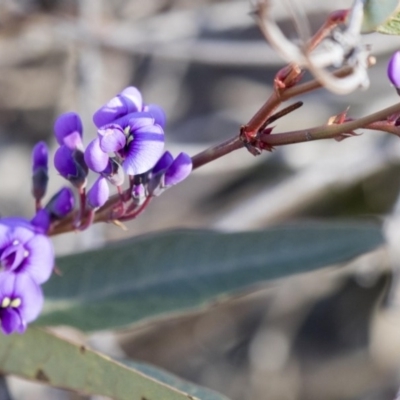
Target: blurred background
333,334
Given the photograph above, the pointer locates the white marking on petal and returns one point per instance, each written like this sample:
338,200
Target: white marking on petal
16,302
6,302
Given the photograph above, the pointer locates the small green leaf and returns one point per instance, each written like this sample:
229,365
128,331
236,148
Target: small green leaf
391,26
41,356
171,271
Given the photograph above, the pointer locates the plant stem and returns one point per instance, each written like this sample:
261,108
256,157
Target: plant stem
218,151
330,131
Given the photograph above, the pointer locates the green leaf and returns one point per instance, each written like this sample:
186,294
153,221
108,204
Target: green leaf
170,271
41,356
163,376
391,26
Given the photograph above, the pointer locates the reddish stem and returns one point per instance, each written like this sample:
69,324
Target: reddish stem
138,211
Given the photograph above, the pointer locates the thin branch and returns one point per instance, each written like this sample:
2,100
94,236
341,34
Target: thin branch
332,131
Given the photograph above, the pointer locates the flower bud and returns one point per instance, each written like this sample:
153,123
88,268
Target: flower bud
96,159
178,170
138,194
98,193
68,130
40,175
163,163
393,70
61,204
71,165
42,220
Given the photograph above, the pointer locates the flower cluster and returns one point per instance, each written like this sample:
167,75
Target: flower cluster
130,140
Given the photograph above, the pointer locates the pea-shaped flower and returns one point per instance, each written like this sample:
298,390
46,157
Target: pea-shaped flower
68,158
24,249
21,300
135,138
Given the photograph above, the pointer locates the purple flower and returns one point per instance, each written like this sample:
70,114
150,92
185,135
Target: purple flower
98,193
40,175
21,300
129,129
68,130
393,69
128,101
23,248
61,204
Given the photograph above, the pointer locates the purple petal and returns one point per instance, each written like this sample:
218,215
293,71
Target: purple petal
14,231
71,165
157,113
134,96
95,157
179,170
62,203
39,261
41,220
10,320
11,222
13,256
7,283
128,101
141,121
40,156
16,234
74,141
98,193
393,69
66,124
112,138
129,120
114,109
9,317
144,150
40,175
31,297
64,162
163,163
